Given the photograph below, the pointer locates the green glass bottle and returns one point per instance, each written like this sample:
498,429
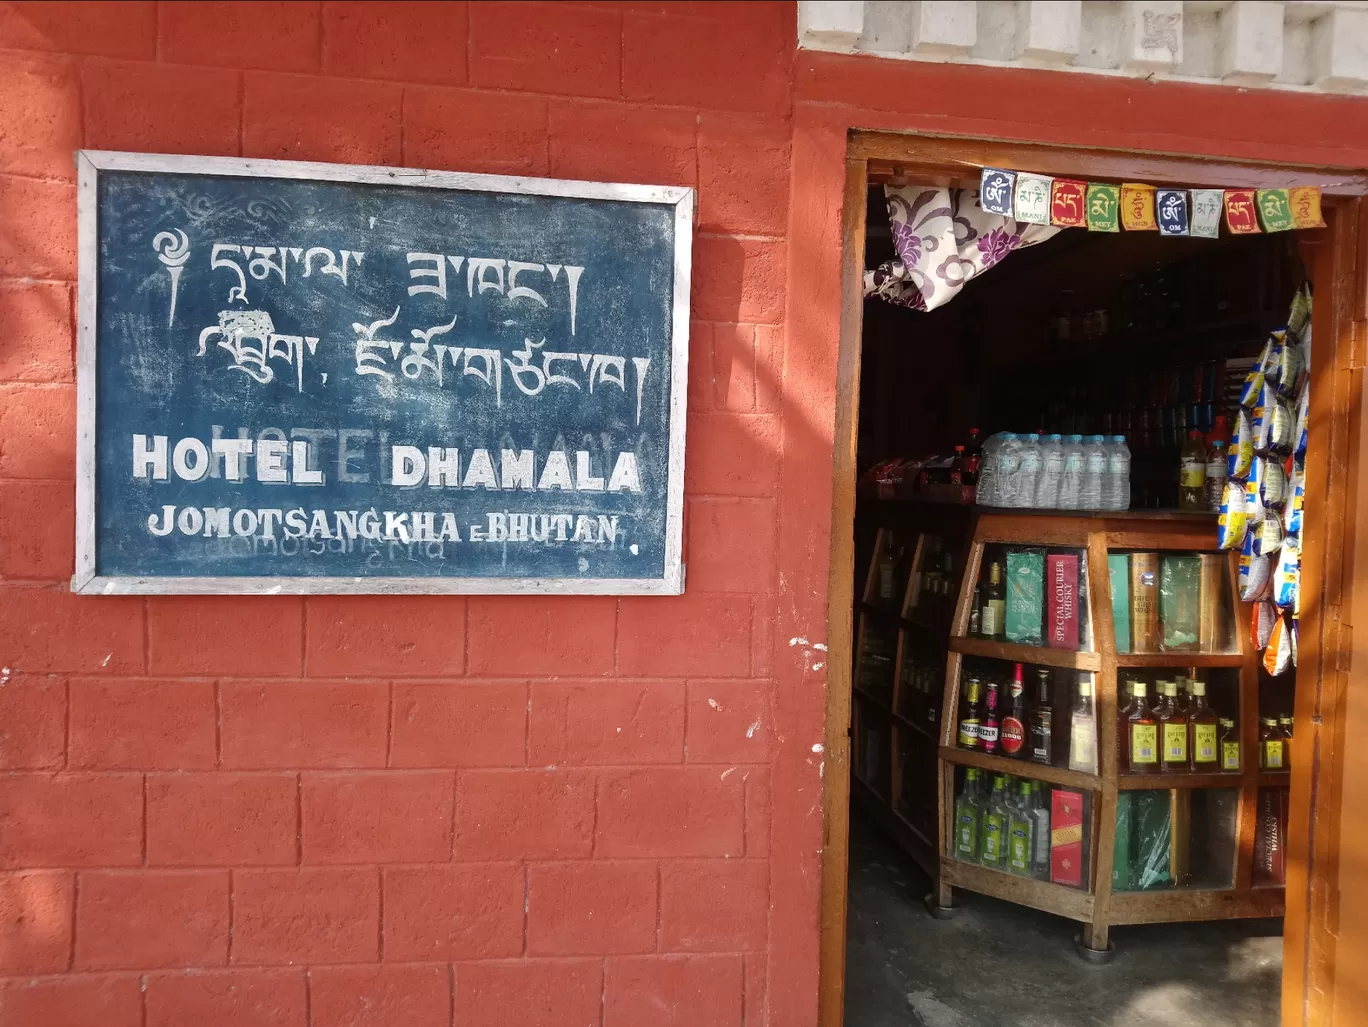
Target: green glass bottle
968,817
1020,831
993,835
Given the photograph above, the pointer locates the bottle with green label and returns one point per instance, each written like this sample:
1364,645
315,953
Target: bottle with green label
968,817
993,835
1020,831
1203,727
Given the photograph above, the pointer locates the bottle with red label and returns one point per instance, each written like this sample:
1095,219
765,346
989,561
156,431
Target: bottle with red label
989,726
1015,722
973,456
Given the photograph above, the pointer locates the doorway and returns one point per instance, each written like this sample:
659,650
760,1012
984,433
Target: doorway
1328,257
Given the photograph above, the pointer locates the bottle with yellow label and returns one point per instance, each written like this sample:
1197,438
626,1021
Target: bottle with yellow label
1285,726
1230,746
1173,729
1141,732
1270,744
1203,728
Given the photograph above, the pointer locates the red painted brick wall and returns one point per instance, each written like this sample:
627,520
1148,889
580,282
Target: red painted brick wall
401,812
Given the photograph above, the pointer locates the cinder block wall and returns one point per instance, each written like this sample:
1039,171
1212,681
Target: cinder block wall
406,811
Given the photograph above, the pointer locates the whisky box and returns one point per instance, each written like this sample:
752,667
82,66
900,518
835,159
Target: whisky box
1025,595
1066,838
1180,603
1144,602
1210,637
1061,589
1118,568
1270,837
1121,849
1151,840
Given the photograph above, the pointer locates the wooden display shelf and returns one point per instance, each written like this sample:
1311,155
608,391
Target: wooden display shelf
1161,782
1168,905
1014,652
1099,907
1074,903
873,700
1021,768
1142,660
911,540
911,725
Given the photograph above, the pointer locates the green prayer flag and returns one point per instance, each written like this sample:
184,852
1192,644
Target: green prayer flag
1275,210
1104,207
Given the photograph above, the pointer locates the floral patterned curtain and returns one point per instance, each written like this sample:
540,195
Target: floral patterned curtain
943,238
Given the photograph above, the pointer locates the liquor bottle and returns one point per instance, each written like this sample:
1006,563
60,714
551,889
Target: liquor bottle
1285,725
988,725
969,723
976,613
993,616
968,817
1230,745
1203,725
993,835
1020,831
1192,473
888,567
1040,849
1184,693
957,467
1142,732
1083,730
1216,475
1173,731
1270,744
973,456
1015,720
1042,721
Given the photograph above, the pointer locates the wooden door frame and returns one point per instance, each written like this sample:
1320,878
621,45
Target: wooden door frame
1336,509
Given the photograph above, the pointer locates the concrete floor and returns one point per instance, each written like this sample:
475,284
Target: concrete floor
1002,965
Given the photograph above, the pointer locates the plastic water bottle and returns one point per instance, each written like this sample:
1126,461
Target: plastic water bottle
1029,474
1051,472
1008,471
1118,473
1094,470
986,485
1071,482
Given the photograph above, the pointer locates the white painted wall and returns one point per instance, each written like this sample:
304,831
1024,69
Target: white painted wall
1297,45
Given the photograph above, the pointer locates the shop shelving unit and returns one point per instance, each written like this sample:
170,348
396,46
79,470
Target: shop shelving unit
1097,906
900,790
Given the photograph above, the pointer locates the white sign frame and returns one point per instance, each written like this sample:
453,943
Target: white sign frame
87,581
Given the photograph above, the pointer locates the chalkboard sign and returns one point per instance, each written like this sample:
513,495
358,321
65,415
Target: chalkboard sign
326,378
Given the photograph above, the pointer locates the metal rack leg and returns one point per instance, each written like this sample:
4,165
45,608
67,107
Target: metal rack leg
940,902
1094,945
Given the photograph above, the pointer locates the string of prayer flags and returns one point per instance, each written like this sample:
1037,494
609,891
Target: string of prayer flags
1137,207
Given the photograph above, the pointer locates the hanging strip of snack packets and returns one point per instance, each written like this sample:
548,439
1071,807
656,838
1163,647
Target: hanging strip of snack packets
1261,512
